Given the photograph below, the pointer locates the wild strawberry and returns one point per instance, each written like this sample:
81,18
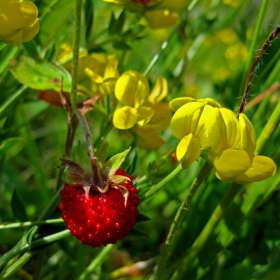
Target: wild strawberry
100,218
99,202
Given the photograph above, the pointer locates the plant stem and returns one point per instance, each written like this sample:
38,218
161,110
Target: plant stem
97,261
265,45
269,128
76,47
204,171
208,229
159,185
28,224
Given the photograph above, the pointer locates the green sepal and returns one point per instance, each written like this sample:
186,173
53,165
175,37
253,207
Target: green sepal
138,232
112,24
120,22
119,179
82,158
142,218
102,152
18,208
89,18
73,180
114,163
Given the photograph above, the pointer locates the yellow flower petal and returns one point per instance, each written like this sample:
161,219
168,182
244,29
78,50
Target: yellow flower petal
111,70
248,137
188,150
95,77
159,91
161,117
161,18
132,89
262,168
17,16
125,117
176,103
185,119
144,115
29,32
209,101
231,162
147,139
223,130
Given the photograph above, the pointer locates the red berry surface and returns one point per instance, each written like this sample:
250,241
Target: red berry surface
100,218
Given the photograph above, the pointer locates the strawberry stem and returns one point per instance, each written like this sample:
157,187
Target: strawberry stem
97,179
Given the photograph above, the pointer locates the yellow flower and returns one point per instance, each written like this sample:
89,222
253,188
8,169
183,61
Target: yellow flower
232,149
189,125
96,71
141,111
18,21
161,16
231,143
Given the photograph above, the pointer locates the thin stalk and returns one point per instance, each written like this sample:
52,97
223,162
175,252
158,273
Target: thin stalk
159,185
97,261
254,65
11,100
208,229
204,171
269,128
28,224
17,265
76,47
254,40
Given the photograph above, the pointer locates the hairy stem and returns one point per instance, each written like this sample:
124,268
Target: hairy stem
76,46
265,45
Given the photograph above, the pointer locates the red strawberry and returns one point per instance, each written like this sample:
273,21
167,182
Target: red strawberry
100,218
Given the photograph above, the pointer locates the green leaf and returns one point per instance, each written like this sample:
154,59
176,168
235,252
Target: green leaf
120,22
112,25
18,208
102,152
121,46
114,163
142,218
82,158
9,146
138,232
50,53
53,19
40,74
2,45
89,17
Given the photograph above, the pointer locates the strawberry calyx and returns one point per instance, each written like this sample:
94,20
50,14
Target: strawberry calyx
101,176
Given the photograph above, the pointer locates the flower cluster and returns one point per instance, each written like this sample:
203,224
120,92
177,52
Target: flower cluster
203,124
158,14
140,110
18,21
97,72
